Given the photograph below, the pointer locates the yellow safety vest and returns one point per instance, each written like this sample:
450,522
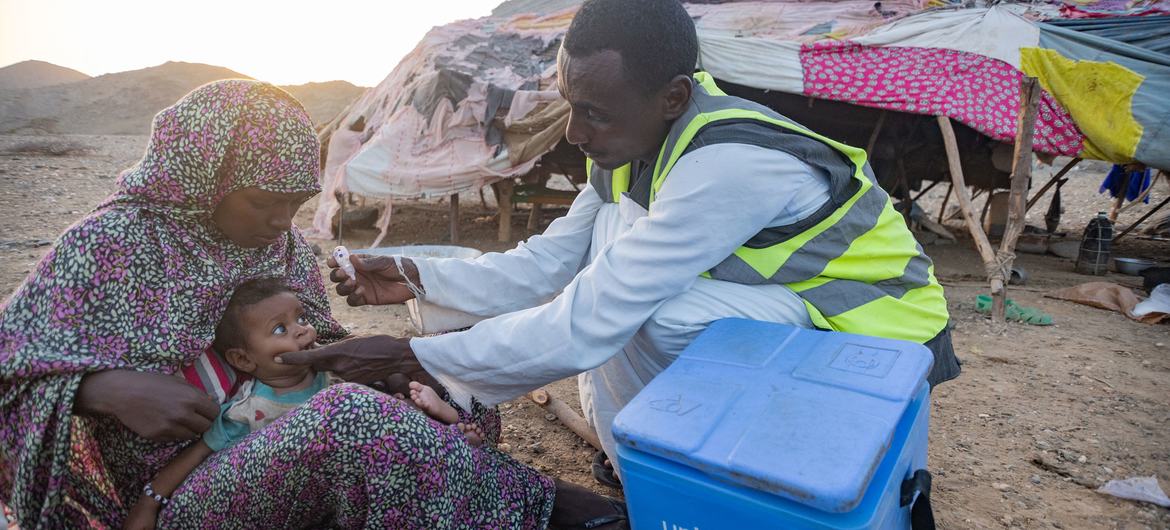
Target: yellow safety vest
854,263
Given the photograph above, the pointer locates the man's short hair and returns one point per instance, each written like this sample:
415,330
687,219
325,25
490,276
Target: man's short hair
656,38
230,332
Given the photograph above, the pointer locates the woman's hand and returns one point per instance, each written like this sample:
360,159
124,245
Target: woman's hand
143,516
378,280
158,407
381,361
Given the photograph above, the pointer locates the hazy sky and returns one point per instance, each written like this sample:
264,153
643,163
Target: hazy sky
285,42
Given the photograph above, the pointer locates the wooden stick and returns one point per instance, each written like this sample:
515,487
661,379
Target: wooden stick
1036,198
978,193
1017,200
567,415
1144,194
1142,219
454,218
877,130
928,188
1120,196
965,205
942,209
986,207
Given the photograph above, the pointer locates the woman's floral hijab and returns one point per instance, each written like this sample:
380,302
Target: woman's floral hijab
141,283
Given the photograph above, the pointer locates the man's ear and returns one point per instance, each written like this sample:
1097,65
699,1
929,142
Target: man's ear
238,358
677,97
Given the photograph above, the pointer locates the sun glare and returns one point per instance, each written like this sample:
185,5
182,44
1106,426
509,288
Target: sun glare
285,42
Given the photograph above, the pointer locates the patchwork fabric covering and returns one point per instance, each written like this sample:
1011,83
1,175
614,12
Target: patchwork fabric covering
468,105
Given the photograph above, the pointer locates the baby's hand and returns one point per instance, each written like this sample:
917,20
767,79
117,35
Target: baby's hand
143,516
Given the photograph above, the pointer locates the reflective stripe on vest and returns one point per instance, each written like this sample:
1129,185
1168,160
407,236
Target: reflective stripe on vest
609,184
855,264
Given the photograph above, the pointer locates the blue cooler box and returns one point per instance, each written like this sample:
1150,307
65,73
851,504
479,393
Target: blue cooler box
761,425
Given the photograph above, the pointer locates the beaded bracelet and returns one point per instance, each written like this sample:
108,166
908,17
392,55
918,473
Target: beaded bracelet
148,490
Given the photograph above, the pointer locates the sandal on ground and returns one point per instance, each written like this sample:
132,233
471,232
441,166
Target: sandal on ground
603,472
1014,312
620,515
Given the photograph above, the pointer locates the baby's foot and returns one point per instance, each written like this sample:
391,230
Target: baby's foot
473,432
430,402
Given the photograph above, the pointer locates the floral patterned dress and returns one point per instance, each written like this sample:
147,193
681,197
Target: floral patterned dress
141,282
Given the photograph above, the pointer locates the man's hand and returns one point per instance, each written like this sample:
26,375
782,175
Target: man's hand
380,361
378,281
158,407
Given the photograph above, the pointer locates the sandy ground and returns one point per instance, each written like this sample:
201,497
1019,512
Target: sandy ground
1040,417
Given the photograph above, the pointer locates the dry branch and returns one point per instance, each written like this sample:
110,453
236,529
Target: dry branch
567,415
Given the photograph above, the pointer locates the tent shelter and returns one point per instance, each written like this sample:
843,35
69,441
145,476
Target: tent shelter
475,102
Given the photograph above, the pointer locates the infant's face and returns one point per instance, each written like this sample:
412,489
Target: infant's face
274,326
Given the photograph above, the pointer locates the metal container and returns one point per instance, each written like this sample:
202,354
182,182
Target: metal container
1131,266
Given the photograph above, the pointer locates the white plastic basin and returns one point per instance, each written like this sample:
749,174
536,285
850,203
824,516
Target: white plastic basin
429,318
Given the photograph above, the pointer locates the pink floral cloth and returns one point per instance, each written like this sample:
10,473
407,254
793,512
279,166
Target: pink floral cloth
978,91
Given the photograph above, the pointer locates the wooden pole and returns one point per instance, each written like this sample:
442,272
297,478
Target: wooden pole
1017,200
965,205
503,191
567,415
1036,198
534,217
454,218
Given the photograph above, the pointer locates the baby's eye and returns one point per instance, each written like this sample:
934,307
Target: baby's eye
279,330
302,320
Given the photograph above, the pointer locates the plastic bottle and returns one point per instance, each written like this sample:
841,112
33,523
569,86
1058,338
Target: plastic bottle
1093,257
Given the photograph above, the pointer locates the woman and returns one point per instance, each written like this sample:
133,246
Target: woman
91,343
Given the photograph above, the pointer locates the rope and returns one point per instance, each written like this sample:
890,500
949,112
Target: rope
1002,266
414,289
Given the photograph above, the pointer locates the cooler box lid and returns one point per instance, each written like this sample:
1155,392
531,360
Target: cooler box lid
803,414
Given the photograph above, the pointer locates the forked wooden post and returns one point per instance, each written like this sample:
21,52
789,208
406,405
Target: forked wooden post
1017,200
998,264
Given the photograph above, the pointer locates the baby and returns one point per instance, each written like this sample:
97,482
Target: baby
263,320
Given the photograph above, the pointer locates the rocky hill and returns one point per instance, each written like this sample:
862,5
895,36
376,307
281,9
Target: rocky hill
125,102
325,100
34,74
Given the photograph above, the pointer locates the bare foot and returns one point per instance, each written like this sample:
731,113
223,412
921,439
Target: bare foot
473,432
430,402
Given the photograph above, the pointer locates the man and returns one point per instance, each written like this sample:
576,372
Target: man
701,206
